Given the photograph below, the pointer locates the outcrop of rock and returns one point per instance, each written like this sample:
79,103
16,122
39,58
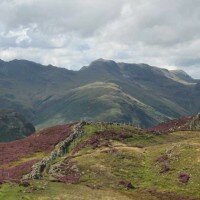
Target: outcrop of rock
14,126
195,123
65,171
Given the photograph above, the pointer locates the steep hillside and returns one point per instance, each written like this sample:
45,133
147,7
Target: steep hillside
102,161
48,95
14,126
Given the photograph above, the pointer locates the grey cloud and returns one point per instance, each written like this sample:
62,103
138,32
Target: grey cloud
82,17
72,33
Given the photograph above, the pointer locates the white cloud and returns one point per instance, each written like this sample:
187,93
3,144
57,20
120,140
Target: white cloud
72,33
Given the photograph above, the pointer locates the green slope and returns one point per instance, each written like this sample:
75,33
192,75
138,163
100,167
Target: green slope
99,101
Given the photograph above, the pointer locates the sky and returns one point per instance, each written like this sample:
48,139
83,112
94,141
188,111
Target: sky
73,33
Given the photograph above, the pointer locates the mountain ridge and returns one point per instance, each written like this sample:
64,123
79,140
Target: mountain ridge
91,64
48,95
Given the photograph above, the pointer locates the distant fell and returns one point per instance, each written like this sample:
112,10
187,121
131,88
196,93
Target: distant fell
103,91
14,126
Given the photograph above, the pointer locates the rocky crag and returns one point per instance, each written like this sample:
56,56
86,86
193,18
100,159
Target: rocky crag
194,124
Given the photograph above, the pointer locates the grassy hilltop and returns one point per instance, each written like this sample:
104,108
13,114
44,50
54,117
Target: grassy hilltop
109,161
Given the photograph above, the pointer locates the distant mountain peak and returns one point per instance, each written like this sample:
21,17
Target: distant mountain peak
102,64
102,60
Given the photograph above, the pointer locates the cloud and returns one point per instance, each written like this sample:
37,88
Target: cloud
72,33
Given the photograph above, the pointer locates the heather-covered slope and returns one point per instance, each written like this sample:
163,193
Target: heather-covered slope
137,93
14,126
183,124
110,161
17,157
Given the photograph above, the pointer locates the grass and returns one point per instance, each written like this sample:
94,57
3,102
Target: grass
184,158
58,191
138,164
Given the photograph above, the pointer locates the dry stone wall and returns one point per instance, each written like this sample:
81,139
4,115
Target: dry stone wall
60,150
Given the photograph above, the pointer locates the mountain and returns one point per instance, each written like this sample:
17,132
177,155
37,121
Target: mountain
14,126
101,160
103,91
